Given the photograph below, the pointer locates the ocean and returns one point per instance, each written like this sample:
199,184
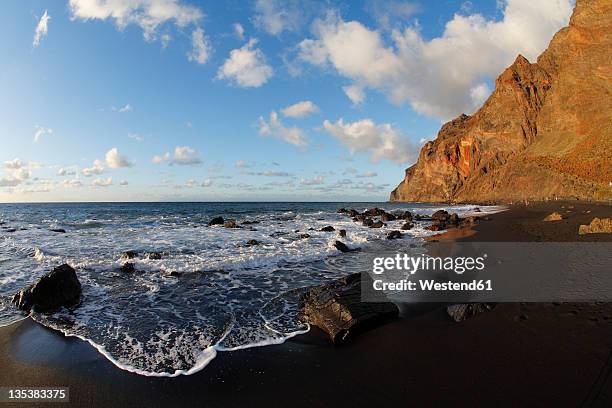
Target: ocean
209,292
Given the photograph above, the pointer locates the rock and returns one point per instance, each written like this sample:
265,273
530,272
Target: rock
477,209
154,255
374,212
329,228
342,233
394,235
340,246
440,215
337,309
230,224
252,242
597,226
10,230
377,224
216,221
353,213
386,217
553,217
543,132
58,288
408,225
406,215
249,222
127,267
454,219
463,311
129,255
175,274
434,227
304,236
58,230
342,211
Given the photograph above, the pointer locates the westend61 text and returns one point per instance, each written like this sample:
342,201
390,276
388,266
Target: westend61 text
432,285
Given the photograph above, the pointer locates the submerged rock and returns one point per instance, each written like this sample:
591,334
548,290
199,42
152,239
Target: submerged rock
216,221
337,309
129,255
127,267
304,236
377,224
407,226
597,226
341,246
463,311
386,217
58,230
252,242
367,222
56,289
329,228
394,235
154,255
230,224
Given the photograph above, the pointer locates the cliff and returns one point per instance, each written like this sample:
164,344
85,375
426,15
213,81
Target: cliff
545,131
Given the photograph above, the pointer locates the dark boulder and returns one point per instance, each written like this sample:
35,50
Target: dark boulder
247,222
252,242
406,215
56,289
353,213
476,209
230,224
377,224
175,274
341,246
129,255
386,217
374,212
337,309
342,233
367,222
394,235
462,311
10,230
440,215
154,255
408,225
329,228
127,267
304,236
342,211
454,219
58,230
216,221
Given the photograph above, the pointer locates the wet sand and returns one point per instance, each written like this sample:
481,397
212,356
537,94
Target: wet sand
516,355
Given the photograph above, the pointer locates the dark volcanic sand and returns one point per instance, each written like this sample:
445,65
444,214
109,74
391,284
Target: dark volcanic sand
516,355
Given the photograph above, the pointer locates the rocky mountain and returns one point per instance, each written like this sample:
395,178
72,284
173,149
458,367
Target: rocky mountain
545,131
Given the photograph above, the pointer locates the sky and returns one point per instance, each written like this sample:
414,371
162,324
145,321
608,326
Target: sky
261,100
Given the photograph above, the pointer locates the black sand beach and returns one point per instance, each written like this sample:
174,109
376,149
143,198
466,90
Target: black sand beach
515,355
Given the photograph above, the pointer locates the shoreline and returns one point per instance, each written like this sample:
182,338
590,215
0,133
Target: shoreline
422,357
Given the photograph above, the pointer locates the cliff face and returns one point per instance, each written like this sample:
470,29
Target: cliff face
545,132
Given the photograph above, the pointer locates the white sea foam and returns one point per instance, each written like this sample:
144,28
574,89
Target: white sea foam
229,295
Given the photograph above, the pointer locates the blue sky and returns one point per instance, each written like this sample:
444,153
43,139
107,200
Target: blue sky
242,100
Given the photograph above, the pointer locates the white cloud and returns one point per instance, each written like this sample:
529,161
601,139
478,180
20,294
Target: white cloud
42,28
116,160
241,164
122,109
66,171
40,132
275,128
300,109
276,16
99,182
355,93
441,77
207,183
123,183
137,137
14,164
317,180
149,15
270,174
190,183
74,183
161,158
184,156
246,67
97,168
18,172
238,31
380,141
201,48
367,174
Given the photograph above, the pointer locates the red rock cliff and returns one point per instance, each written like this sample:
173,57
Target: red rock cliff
545,131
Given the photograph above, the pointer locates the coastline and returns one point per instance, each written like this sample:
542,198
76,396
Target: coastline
558,354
